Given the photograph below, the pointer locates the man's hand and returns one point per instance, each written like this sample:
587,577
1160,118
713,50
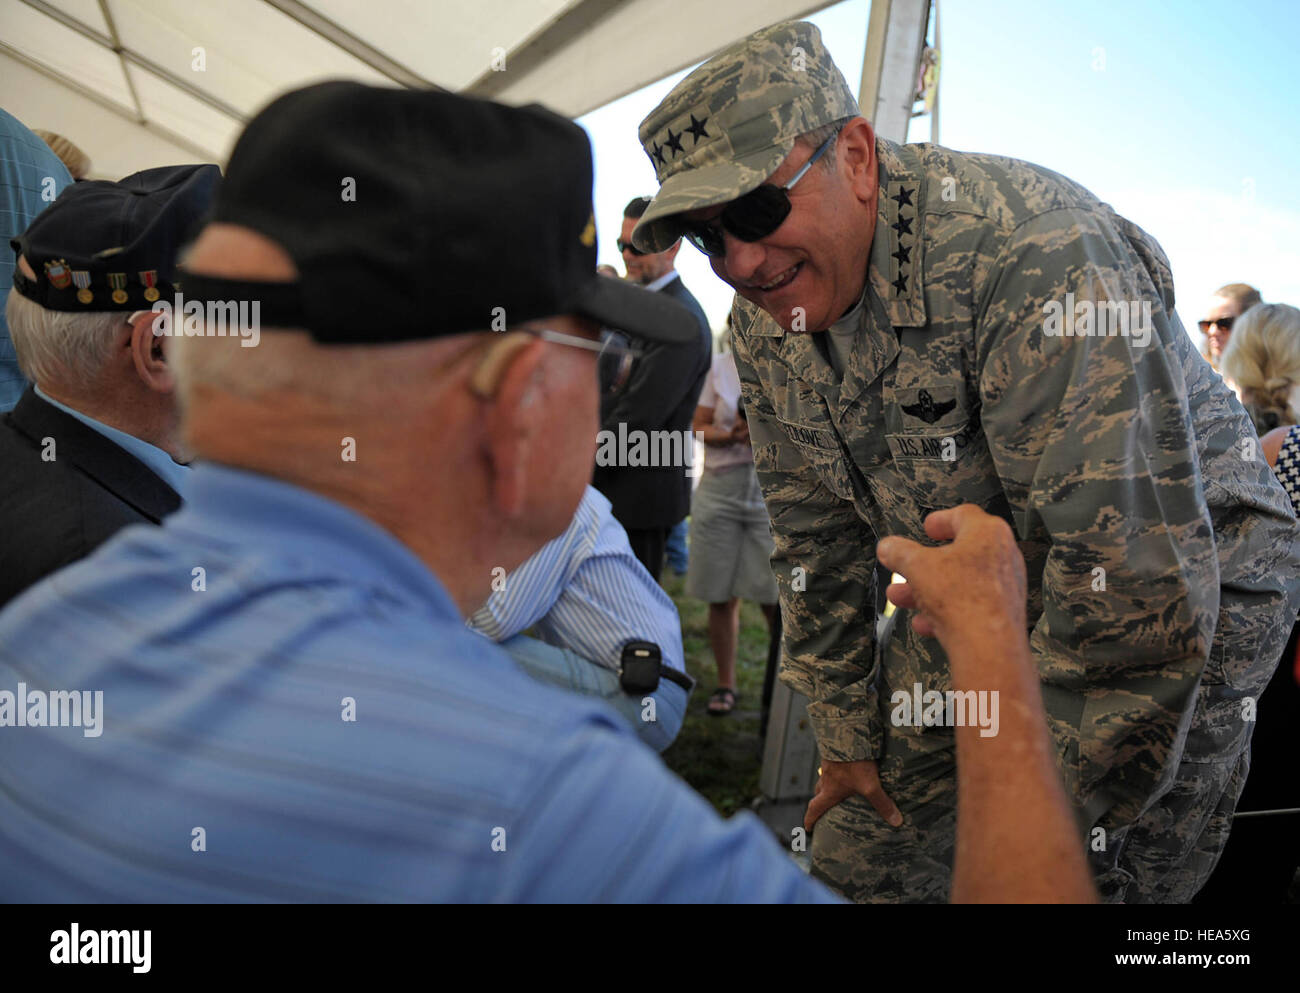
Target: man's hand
740,432
971,588
839,780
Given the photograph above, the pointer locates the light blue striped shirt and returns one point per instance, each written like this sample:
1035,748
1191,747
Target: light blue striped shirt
293,710
26,163
586,591
159,462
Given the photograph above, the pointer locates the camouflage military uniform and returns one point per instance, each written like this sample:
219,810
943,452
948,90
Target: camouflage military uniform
1162,555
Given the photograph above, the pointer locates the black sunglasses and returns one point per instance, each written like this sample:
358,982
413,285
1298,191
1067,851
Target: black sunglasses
627,246
1224,323
755,215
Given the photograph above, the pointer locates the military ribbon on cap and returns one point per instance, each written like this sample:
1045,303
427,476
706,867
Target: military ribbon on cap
117,280
56,271
149,277
81,279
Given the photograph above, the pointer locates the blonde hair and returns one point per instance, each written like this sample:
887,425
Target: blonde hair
77,161
1263,358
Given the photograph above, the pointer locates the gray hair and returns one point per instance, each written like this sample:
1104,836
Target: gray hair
817,136
60,346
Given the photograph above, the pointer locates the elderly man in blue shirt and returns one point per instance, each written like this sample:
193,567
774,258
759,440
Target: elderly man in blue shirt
273,696
293,708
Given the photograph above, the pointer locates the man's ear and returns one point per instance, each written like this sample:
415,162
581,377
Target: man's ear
506,381
671,253
149,353
856,147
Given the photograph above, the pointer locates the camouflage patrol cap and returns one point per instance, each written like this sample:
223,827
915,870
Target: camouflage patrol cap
729,125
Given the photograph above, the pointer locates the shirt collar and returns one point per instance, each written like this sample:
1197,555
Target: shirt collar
662,281
162,465
323,537
895,268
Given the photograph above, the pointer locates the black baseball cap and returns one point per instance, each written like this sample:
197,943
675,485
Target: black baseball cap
112,246
414,214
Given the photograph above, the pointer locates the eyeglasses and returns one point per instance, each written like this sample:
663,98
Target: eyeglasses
627,246
755,215
1224,323
614,356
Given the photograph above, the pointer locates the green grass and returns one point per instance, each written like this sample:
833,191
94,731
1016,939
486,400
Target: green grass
720,756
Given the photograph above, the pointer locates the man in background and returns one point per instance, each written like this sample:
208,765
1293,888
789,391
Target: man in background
1228,303
94,444
650,500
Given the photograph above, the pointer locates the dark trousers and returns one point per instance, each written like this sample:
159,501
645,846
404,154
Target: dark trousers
1262,853
648,545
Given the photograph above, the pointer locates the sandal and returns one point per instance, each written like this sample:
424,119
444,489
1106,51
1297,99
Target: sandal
724,696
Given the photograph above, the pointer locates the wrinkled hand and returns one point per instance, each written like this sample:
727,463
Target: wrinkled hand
839,780
971,588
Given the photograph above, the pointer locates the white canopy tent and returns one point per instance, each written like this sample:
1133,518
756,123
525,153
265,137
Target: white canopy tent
139,82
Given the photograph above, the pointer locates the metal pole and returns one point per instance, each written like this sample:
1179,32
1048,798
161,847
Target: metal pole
938,54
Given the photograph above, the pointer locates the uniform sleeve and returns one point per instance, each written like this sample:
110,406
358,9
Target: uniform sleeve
824,562
1093,441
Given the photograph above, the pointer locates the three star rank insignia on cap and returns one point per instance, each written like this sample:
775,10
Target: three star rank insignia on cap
117,280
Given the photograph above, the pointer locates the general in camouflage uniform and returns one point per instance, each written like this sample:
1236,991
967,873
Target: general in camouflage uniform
1162,555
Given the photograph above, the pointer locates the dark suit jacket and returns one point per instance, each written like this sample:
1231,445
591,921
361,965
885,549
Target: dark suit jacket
661,396
54,513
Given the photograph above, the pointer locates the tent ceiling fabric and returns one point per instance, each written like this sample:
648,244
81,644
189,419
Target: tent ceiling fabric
121,78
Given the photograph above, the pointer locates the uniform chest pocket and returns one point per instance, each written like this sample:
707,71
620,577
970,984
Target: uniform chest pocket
946,465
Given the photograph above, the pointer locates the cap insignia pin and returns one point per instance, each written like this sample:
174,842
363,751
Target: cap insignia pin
56,271
81,279
150,278
117,280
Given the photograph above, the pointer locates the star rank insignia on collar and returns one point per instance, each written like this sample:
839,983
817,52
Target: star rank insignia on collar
904,225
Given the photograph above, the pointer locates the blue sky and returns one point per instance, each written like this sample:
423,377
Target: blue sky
1182,114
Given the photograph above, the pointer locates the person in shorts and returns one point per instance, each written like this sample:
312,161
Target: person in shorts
731,539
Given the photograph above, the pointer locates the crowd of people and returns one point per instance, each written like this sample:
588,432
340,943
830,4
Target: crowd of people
363,608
